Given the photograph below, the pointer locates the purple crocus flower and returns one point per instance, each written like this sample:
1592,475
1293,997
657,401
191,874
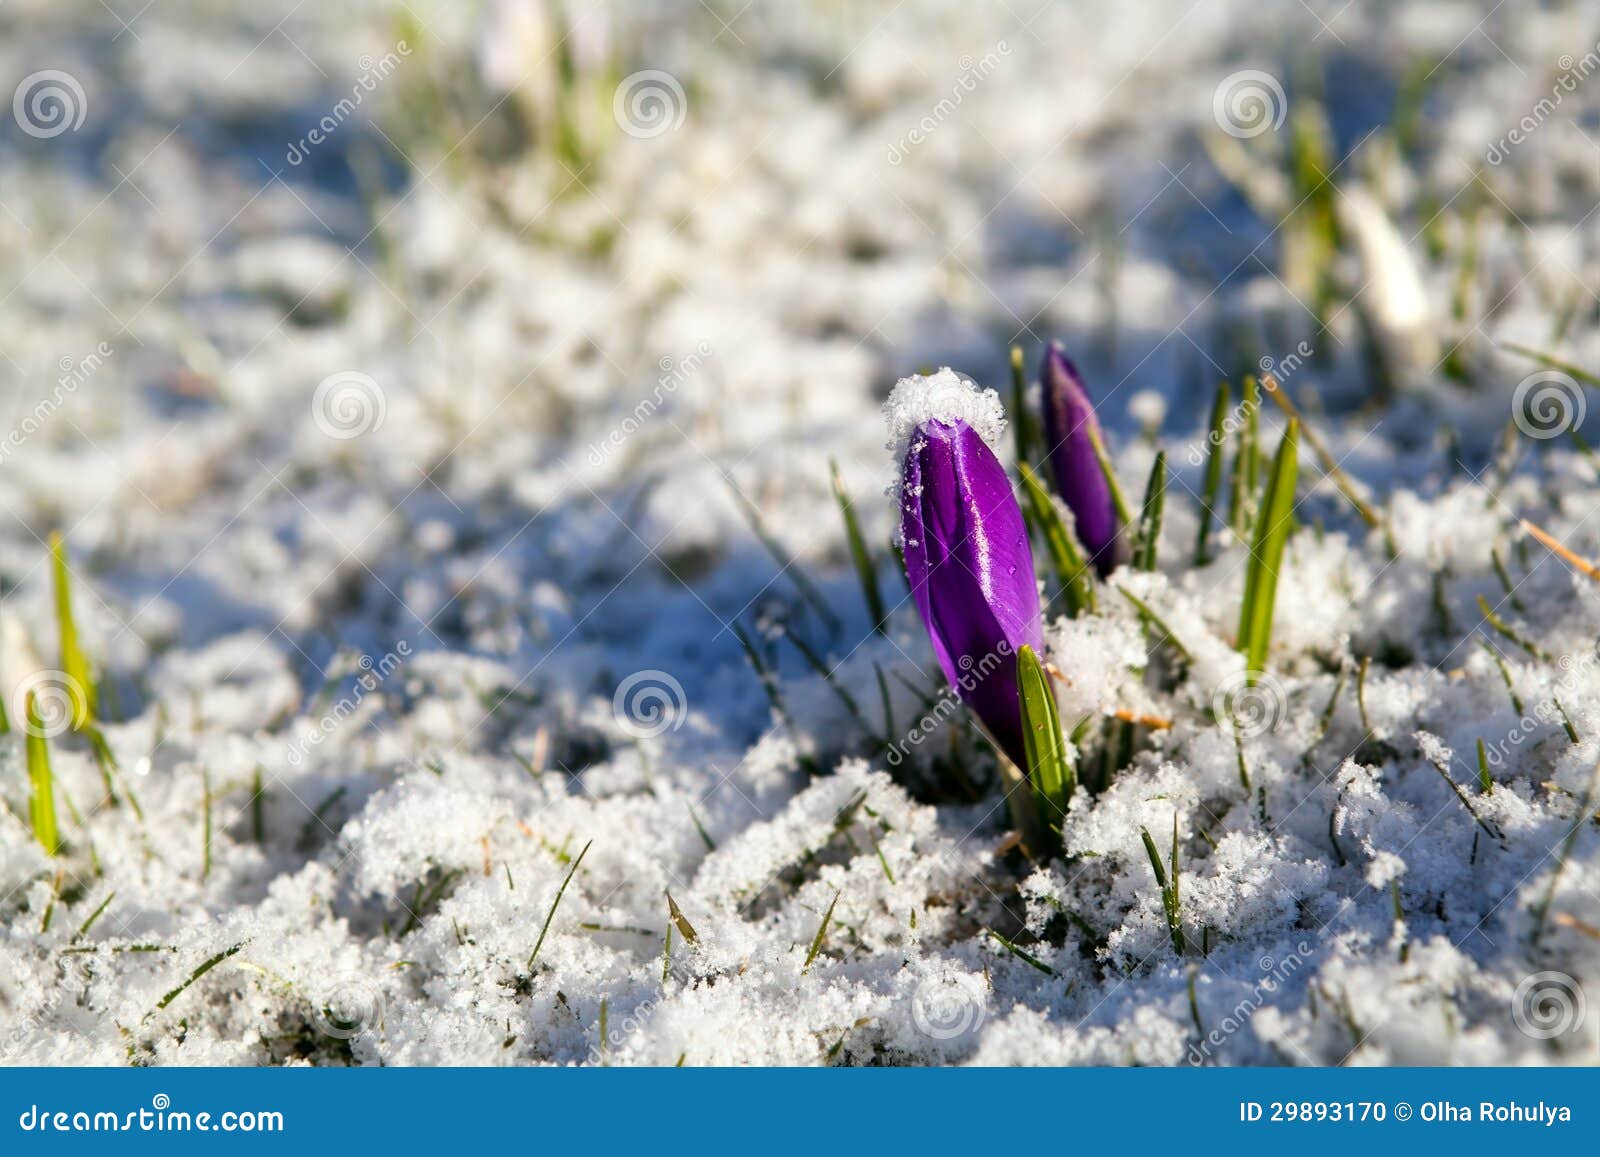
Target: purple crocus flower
1068,422
971,571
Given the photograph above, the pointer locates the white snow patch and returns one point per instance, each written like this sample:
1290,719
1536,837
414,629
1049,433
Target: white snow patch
944,396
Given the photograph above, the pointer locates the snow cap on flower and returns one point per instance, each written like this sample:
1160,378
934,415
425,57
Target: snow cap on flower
947,396
968,560
1069,420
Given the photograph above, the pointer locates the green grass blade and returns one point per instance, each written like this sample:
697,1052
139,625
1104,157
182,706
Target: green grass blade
1156,865
1175,874
551,915
1583,446
883,860
1049,768
1027,958
884,699
1505,675
1273,525
822,932
205,825
1326,719
1238,755
1491,829
1021,420
1505,580
1505,630
1361,696
1554,363
1118,498
865,571
705,836
1155,623
1410,100
1252,426
41,783
764,674
815,662
1072,571
204,968
1155,500
1212,489
1566,722
1330,465
1580,820
1168,884
258,816
83,929
788,565
1246,462
74,663
1238,520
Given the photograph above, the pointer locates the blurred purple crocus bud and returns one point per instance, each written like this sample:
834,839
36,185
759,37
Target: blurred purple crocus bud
1069,427
968,559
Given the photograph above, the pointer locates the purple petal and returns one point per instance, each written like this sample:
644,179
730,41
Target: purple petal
970,568
1068,419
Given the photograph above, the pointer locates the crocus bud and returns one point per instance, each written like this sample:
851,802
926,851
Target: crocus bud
1069,429
968,560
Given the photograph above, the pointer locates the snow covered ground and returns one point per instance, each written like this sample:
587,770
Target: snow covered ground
431,393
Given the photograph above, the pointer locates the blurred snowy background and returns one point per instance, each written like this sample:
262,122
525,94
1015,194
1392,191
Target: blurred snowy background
436,399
